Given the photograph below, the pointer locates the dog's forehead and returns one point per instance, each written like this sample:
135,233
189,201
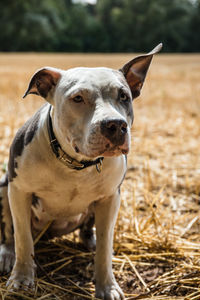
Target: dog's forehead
93,77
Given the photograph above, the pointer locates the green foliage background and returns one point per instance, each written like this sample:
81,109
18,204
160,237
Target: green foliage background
108,26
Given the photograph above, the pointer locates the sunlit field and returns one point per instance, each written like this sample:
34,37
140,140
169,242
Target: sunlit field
157,235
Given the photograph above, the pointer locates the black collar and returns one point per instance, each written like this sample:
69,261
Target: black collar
63,157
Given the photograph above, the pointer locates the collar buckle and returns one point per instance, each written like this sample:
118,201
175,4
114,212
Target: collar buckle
68,160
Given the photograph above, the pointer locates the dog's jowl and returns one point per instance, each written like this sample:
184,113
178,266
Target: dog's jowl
66,165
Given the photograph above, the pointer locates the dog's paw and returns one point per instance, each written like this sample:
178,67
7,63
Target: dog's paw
110,292
7,257
22,277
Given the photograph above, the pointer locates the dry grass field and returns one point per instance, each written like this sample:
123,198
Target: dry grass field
157,236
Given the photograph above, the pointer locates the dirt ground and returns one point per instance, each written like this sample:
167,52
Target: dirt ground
157,236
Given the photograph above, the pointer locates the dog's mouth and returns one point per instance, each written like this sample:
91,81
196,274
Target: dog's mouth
100,147
113,150
108,150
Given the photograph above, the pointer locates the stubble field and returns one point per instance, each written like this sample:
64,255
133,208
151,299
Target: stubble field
157,235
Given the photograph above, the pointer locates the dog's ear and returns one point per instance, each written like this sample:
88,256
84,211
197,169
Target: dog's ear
43,82
135,70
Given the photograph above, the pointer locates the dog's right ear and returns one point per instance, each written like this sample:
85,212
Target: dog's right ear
43,83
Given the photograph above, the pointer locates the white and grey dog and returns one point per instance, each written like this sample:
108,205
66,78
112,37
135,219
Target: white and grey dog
66,165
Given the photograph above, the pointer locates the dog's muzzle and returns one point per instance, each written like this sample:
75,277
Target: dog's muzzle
114,130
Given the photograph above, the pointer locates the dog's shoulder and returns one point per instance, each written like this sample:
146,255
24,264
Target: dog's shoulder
23,137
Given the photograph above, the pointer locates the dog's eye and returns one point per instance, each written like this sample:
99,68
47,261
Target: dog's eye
78,99
123,96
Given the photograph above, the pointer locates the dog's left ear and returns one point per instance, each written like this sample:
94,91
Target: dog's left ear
135,70
43,82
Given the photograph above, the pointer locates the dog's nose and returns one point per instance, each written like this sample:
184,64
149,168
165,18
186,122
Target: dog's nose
114,130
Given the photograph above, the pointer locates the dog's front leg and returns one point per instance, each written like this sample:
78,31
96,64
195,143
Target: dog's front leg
22,275
105,217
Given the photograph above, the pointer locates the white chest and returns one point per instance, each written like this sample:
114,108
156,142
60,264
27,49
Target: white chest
66,193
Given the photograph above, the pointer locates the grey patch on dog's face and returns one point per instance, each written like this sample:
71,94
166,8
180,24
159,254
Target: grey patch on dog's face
129,110
23,137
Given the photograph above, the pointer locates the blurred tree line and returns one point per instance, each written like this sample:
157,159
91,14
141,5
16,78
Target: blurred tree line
108,26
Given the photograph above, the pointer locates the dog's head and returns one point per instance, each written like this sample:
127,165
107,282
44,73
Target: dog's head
93,106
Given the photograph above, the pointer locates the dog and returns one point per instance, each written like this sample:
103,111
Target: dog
66,166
